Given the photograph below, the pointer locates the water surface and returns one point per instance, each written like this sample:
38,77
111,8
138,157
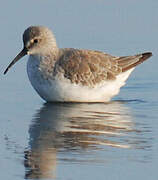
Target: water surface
65,141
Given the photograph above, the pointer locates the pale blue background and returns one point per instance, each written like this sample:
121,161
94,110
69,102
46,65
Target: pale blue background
122,27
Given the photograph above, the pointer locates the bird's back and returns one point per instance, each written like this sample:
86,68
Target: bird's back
89,68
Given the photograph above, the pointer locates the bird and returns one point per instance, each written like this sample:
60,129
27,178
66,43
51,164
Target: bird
73,75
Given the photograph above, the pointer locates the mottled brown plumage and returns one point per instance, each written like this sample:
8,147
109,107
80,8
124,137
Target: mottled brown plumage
89,67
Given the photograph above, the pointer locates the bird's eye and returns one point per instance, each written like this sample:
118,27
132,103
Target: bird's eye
35,41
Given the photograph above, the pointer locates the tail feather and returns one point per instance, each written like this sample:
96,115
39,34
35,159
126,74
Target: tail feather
129,62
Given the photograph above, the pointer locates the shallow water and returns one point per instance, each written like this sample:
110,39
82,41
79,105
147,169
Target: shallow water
74,141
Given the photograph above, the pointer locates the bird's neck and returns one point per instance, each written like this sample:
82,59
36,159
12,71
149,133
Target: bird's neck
46,55
44,61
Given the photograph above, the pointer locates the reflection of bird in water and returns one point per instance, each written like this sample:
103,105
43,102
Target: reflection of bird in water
74,128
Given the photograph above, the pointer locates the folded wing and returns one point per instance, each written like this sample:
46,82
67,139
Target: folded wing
89,68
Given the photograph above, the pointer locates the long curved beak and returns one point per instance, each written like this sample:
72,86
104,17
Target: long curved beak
17,58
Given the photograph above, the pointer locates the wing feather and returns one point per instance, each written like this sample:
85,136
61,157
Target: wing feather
89,68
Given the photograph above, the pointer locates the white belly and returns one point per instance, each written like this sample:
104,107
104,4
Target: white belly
62,90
